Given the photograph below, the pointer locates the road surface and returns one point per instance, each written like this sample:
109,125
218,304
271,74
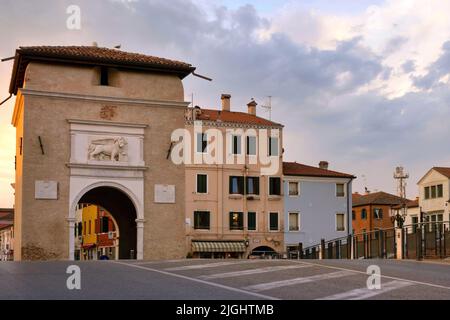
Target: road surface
226,280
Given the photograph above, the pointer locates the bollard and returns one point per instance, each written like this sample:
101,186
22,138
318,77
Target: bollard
322,249
300,250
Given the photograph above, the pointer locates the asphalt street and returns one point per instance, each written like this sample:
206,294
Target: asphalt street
226,280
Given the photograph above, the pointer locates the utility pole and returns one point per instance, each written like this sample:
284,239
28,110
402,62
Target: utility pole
400,175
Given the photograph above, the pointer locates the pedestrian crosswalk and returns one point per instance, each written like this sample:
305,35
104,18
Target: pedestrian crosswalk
295,279
252,271
202,266
366,293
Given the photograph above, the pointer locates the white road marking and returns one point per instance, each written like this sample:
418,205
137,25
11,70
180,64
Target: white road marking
365,293
158,261
382,276
291,282
205,265
254,294
252,271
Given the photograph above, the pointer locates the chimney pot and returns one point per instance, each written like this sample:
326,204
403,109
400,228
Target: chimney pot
323,165
252,107
225,101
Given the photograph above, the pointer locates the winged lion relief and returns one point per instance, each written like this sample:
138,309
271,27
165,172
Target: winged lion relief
108,149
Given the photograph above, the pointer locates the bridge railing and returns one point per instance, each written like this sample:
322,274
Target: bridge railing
414,241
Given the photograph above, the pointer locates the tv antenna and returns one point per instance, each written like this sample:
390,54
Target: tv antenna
268,107
400,175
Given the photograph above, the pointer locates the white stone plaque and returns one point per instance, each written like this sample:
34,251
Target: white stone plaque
164,193
44,189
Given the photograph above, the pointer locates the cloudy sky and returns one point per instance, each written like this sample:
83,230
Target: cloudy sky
362,84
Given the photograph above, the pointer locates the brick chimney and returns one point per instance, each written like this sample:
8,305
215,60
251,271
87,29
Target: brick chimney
252,107
225,101
323,165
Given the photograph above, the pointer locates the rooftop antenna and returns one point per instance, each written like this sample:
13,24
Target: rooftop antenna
365,183
268,107
400,175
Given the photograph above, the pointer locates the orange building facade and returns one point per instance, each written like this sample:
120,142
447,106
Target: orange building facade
371,211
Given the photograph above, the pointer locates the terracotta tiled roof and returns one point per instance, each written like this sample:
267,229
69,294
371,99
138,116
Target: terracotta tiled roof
6,214
356,195
409,204
298,169
233,117
94,56
3,226
380,198
443,170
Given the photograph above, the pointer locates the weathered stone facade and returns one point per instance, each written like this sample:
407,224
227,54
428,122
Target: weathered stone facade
53,94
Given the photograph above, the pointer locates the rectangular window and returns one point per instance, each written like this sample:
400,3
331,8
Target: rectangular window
273,221
433,192
252,185
236,221
340,222
236,185
202,183
251,145
236,144
427,192
104,224
353,215
294,224
340,191
363,214
84,228
378,213
440,193
104,81
202,142
251,221
273,146
90,231
201,220
293,188
274,186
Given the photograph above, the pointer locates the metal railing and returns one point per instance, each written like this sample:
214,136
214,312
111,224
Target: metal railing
414,241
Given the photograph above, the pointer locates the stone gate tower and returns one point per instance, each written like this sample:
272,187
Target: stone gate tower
93,125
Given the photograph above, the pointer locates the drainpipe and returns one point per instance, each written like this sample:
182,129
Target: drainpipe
349,207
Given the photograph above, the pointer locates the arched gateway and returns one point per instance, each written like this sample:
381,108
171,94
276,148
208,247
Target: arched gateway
122,205
94,125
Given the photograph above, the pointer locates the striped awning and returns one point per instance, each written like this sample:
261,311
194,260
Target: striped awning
218,246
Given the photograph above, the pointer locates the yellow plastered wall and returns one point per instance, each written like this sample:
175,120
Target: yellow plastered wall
89,214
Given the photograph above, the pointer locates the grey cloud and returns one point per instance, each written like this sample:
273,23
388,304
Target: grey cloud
394,44
436,70
314,90
409,66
